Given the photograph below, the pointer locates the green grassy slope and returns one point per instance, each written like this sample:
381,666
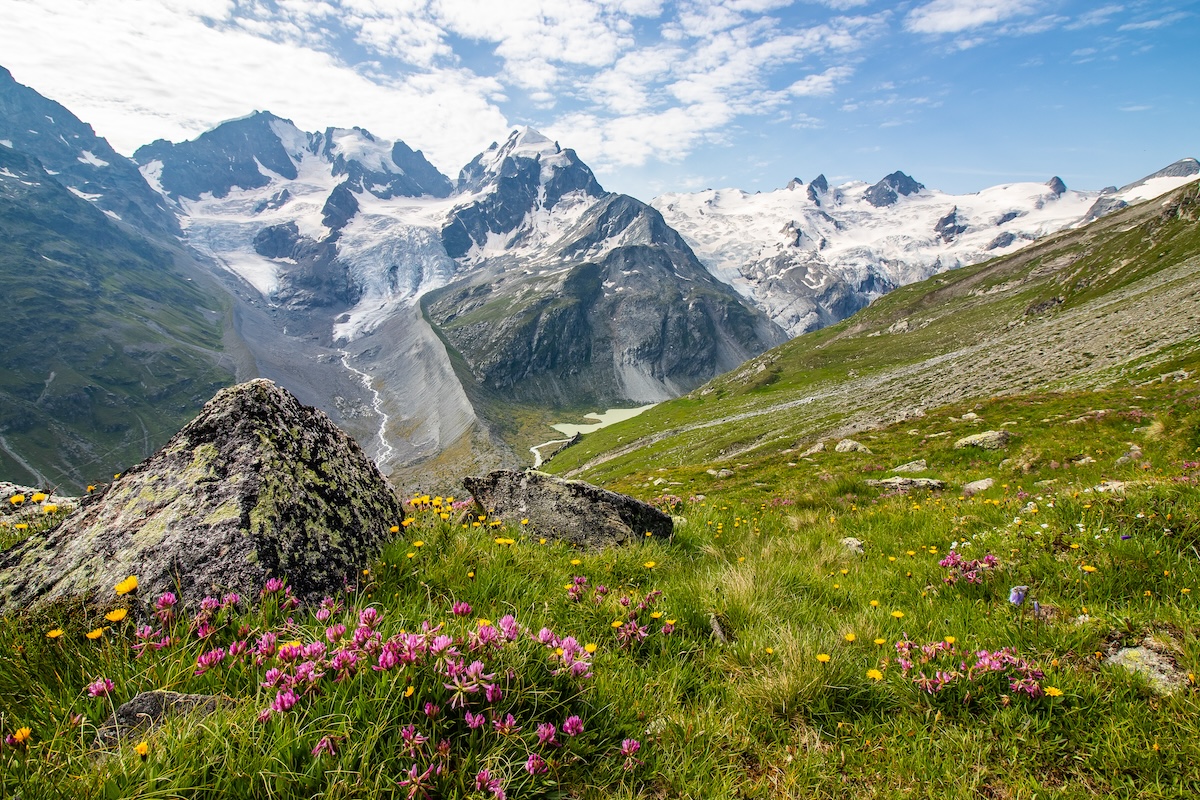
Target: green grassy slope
109,349
803,693
1112,302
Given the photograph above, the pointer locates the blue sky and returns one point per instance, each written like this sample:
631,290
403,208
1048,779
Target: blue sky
655,96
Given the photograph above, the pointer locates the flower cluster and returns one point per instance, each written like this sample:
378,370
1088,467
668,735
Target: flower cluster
933,667
973,571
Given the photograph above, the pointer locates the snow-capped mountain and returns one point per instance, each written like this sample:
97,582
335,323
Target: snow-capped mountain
573,294
813,255
552,290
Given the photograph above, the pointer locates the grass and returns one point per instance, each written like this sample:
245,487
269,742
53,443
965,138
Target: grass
754,713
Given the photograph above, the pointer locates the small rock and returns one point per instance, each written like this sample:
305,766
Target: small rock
903,484
975,487
659,481
1134,454
1116,487
970,416
988,440
850,446
1084,460
853,545
912,466
147,710
1158,669
819,447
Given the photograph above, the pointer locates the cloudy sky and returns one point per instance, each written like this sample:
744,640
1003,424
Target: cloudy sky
655,96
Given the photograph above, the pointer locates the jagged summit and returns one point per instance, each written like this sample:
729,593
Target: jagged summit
256,486
1057,185
252,151
890,188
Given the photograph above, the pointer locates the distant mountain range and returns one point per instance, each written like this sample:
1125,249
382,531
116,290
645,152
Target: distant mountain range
813,255
443,322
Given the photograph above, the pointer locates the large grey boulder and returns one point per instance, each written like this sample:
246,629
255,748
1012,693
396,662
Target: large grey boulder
256,486
851,446
577,512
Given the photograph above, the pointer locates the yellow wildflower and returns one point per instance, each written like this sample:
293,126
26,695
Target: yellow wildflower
874,604
1088,568
850,637
950,640
116,615
54,633
409,691
881,642
142,749
650,564
126,586
394,529
21,735
1053,691
575,562
874,674
95,634
823,658
897,614
17,499
590,647
37,497
418,543
617,623
49,508
655,614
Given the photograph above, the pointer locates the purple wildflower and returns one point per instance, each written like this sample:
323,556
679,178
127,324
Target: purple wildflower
535,764
100,687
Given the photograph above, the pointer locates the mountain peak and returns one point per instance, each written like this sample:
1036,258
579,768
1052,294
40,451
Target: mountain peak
1183,168
1056,185
890,188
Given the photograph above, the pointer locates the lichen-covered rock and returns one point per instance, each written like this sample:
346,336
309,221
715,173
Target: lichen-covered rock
920,465
256,486
147,710
850,446
1156,667
577,512
988,440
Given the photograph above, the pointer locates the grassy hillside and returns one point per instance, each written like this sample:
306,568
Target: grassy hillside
109,348
754,655
1110,303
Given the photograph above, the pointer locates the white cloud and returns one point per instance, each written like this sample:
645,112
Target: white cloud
954,16
1154,24
142,70
1097,16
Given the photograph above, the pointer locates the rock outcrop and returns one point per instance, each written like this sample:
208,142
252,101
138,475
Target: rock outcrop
577,512
256,486
988,440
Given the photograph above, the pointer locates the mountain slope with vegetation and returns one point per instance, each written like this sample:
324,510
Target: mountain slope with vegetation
110,346
1090,307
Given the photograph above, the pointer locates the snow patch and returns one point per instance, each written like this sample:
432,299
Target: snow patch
88,157
83,195
7,143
